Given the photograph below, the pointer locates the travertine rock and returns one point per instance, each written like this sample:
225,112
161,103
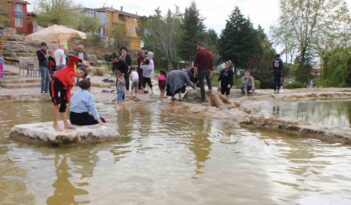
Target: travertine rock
323,200
44,132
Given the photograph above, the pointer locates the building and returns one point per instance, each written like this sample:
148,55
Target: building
109,18
18,15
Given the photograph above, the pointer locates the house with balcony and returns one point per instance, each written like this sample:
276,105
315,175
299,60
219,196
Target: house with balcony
110,18
18,15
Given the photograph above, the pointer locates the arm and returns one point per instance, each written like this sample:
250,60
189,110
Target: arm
196,62
92,107
128,60
41,56
231,78
188,82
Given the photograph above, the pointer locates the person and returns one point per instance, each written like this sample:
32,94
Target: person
277,73
124,56
52,63
162,78
121,89
60,57
247,84
176,82
134,77
81,53
140,60
119,65
150,56
204,64
60,89
147,73
82,106
225,78
43,67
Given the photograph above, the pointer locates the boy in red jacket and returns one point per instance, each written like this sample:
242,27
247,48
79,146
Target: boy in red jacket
60,89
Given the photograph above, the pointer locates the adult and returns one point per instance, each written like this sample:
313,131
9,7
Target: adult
177,80
277,73
124,56
43,67
204,64
60,57
247,84
140,60
225,79
118,64
82,106
82,55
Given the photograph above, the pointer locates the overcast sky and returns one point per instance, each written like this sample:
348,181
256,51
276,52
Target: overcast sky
215,12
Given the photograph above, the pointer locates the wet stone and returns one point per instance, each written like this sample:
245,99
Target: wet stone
44,132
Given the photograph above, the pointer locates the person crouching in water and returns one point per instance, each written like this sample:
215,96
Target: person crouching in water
121,89
162,78
225,79
247,84
60,89
134,78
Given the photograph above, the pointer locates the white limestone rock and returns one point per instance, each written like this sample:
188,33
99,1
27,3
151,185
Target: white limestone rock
44,132
323,200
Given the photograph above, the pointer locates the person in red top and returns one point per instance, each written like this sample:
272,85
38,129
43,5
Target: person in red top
204,64
60,89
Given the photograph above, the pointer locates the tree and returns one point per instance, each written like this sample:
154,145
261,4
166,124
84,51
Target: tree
90,25
119,36
192,32
62,12
160,34
314,25
239,41
211,42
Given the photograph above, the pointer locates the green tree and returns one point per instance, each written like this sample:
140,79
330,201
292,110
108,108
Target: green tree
90,25
211,42
119,36
160,34
192,32
62,12
314,25
239,41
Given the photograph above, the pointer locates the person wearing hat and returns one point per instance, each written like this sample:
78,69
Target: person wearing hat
43,67
225,78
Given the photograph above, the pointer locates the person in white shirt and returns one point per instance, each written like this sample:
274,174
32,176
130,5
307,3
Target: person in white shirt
60,57
134,78
147,74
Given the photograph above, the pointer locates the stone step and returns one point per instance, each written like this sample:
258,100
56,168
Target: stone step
20,85
19,80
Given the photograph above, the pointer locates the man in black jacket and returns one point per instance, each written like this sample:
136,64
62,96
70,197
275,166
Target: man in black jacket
43,68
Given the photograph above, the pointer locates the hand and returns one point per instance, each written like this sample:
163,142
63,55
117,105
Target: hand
229,86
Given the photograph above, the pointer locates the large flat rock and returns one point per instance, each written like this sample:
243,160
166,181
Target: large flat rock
44,132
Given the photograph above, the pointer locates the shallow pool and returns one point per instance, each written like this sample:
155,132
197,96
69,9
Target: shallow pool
167,160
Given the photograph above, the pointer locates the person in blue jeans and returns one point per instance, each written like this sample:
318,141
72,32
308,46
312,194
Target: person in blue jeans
43,68
121,89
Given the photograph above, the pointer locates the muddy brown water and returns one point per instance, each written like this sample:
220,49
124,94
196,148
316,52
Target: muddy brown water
167,160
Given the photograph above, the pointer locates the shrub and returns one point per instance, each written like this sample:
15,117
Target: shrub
294,85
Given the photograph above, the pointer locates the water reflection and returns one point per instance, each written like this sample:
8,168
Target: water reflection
336,113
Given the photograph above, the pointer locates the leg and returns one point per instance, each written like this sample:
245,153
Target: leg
127,81
201,77
43,78
208,80
55,116
47,80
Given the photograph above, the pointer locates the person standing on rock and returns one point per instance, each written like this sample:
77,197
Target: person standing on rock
43,67
225,79
204,64
277,73
176,82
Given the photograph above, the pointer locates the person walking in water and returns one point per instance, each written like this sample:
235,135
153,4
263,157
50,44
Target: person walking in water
277,73
204,64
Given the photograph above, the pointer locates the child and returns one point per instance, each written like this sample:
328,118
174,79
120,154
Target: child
121,89
147,73
82,107
162,77
225,78
60,89
247,84
134,77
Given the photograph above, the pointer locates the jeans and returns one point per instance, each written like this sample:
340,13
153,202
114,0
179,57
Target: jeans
45,79
201,76
277,82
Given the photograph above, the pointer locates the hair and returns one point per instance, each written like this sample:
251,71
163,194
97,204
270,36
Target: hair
43,44
85,70
163,72
278,56
146,62
132,68
123,48
84,84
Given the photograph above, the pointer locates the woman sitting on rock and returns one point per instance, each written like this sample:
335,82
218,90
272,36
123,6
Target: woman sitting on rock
83,108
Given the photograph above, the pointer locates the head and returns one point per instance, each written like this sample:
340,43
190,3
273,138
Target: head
277,56
84,84
60,46
146,62
133,68
200,45
82,72
123,51
163,72
51,53
118,74
43,45
229,64
80,48
247,73
150,55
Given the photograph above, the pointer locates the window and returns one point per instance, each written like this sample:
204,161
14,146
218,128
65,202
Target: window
18,7
18,22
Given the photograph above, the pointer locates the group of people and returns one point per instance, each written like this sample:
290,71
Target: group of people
62,70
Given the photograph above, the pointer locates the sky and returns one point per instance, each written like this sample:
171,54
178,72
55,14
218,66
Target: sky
214,12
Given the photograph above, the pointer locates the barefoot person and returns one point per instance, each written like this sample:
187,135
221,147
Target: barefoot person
162,78
225,79
60,89
82,106
121,89
177,80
